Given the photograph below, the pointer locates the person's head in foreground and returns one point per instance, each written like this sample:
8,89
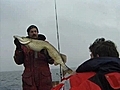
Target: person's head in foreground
103,48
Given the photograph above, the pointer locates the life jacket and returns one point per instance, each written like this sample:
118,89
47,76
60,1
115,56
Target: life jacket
90,81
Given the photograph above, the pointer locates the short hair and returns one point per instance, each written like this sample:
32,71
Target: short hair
104,49
95,43
31,27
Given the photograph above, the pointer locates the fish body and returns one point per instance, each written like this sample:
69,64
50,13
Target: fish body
38,45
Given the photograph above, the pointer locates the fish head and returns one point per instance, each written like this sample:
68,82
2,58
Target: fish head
23,40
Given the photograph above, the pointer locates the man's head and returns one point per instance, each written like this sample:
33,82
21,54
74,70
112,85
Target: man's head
93,46
102,48
33,32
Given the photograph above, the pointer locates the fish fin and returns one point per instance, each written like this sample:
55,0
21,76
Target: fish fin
69,71
55,63
64,57
66,69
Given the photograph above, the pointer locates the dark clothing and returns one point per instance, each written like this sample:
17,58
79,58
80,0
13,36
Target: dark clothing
107,70
101,73
37,75
40,37
100,64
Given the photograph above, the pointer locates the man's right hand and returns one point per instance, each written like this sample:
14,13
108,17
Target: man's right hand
17,43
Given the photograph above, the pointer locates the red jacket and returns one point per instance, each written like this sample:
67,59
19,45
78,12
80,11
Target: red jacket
81,81
94,74
37,71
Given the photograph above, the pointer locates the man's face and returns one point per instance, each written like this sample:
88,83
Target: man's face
33,33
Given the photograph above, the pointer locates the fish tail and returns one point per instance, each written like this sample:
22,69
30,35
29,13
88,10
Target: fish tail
67,70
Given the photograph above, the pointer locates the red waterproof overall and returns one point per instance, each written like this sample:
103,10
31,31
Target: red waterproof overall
37,75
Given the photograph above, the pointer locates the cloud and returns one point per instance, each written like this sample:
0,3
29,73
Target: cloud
80,23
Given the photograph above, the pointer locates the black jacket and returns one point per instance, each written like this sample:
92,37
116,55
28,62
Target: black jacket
102,66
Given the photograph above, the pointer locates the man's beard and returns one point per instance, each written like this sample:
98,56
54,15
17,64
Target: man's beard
34,36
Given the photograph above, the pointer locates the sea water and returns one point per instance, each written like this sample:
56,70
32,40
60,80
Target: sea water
12,80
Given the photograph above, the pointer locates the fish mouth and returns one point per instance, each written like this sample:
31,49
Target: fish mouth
22,40
18,37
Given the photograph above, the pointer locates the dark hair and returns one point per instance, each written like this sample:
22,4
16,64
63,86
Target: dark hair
103,48
106,49
95,43
41,37
31,27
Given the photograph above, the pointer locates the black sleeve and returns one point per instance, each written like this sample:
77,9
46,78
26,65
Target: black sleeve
41,37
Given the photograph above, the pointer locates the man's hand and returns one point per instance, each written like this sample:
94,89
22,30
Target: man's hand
18,44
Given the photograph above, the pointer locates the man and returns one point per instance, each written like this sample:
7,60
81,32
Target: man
37,75
101,72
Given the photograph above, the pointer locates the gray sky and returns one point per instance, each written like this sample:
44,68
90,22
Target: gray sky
80,23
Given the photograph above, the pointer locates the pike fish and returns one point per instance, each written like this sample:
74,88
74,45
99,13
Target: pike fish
38,45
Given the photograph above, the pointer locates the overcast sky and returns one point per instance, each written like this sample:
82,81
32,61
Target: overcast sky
80,23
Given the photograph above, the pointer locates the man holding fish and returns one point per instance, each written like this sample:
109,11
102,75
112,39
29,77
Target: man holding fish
36,75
